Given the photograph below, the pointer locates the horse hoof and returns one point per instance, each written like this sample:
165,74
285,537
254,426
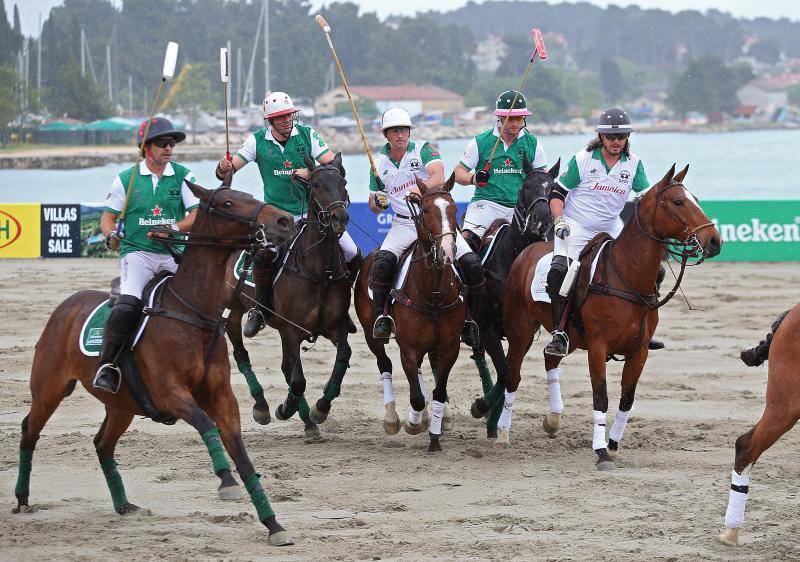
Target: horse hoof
261,414
280,538
729,537
551,423
413,429
434,446
230,493
391,425
23,509
279,415
491,433
503,439
447,419
479,408
128,509
311,432
606,465
613,448
316,415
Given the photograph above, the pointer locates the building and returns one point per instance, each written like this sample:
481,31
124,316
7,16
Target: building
765,96
416,100
489,53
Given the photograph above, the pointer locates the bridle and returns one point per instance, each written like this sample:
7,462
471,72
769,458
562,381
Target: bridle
434,258
523,211
324,212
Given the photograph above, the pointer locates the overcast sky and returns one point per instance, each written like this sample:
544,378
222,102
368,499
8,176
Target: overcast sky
30,9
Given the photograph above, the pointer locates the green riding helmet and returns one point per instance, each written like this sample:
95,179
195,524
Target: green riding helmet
503,105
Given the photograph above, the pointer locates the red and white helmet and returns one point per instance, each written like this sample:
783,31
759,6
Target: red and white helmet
277,104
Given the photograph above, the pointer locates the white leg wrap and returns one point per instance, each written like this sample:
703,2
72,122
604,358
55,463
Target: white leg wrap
414,417
505,417
599,438
618,427
556,404
422,387
388,390
437,413
737,501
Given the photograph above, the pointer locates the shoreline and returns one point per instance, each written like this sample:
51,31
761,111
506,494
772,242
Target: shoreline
211,146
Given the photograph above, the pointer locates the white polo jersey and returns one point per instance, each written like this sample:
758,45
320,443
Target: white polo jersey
598,193
399,177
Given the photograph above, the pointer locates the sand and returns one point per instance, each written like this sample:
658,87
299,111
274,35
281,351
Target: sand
360,494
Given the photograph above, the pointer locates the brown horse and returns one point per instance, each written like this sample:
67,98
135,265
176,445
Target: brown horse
312,298
782,348
614,315
429,312
187,374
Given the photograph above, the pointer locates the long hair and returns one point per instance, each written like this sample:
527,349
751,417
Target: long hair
597,142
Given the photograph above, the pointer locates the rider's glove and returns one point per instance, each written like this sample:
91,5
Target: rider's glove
112,241
381,200
480,178
561,227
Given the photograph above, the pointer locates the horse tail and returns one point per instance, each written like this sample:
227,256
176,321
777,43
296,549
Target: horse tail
755,356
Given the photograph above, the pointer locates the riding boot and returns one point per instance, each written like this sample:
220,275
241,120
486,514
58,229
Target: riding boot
353,268
655,344
559,344
265,266
470,265
121,323
381,277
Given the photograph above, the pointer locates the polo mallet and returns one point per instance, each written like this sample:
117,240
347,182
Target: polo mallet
170,59
224,75
327,29
540,50
572,272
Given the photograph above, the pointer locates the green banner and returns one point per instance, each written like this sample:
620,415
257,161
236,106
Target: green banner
757,230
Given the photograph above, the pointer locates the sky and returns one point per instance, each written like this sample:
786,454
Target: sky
30,9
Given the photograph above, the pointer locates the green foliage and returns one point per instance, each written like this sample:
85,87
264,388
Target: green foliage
9,94
193,94
794,94
10,38
612,81
543,109
767,51
76,96
364,107
708,86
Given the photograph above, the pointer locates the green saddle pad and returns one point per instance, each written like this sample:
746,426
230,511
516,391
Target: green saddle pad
237,270
91,335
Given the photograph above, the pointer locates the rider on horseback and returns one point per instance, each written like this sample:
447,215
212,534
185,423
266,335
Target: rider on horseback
158,196
401,161
278,151
587,200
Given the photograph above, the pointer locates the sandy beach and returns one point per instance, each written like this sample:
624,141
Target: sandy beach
360,494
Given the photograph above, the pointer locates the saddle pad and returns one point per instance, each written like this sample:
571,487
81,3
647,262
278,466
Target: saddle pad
486,252
237,268
539,283
90,338
400,280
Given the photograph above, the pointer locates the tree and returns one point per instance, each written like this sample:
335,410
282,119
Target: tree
766,50
76,96
611,80
193,94
794,94
708,86
9,95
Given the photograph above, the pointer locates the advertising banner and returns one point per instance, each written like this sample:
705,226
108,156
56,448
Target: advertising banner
61,231
20,230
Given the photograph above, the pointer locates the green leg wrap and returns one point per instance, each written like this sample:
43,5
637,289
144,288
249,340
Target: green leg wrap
303,410
334,386
483,370
495,395
258,497
115,485
252,382
291,404
214,444
24,474
494,417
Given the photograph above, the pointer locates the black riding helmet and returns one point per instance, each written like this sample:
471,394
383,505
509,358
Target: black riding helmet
614,120
159,127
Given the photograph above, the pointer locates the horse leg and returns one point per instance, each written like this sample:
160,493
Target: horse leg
552,419
292,369
631,372
227,432
597,372
234,329
444,361
426,418
47,395
411,359
320,410
495,349
518,346
114,425
447,416
778,418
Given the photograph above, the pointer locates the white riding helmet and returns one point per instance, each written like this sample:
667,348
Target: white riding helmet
395,117
277,104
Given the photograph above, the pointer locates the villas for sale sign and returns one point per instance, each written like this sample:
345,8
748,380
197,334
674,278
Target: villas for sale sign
757,230
30,230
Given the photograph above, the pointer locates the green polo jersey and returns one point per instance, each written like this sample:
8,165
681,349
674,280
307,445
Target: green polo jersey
505,174
148,207
276,164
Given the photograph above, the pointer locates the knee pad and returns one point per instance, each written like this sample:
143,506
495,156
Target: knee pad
472,239
558,270
473,272
383,266
129,303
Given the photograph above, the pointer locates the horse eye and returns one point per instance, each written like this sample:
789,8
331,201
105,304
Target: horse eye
228,204
678,202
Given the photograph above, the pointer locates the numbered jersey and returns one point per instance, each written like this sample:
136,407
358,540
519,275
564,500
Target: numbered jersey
399,177
276,163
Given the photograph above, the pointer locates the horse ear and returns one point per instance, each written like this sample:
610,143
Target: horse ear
526,165
200,192
680,175
667,177
309,162
337,161
553,172
451,181
228,179
423,189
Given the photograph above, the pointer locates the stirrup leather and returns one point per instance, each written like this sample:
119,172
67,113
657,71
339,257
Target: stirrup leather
104,370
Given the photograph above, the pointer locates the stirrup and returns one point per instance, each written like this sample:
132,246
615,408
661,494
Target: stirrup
255,322
558,346
106,371
381,336
655,344
470,333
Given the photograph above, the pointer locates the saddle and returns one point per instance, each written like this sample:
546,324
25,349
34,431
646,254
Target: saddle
583,283
491,240
397,293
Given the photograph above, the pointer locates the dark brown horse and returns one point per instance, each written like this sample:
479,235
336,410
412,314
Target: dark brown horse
531,223
312,299
614,315
183,364
782,349
429,312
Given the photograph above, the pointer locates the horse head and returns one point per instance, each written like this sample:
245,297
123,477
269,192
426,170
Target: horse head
669,212
532,211
327,193
434,213
228,213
